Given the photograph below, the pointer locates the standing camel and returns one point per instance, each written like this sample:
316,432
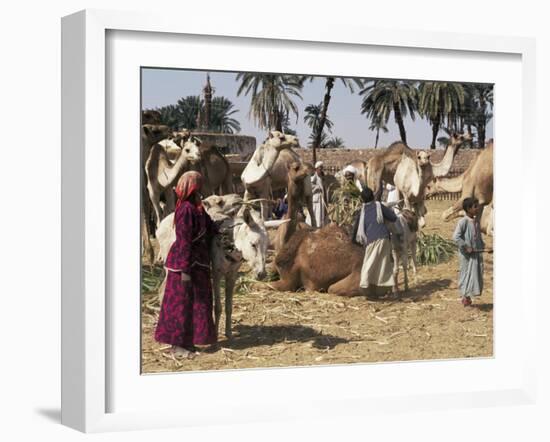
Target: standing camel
150,135
476,181
267,170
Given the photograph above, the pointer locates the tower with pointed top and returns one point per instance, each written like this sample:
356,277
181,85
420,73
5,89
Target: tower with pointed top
203,116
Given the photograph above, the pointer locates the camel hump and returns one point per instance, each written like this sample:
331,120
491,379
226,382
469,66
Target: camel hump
286,256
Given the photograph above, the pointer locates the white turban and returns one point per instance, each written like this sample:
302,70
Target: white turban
318,164
351,169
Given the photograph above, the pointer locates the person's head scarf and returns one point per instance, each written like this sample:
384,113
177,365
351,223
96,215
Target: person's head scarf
189,183
350,169
367,195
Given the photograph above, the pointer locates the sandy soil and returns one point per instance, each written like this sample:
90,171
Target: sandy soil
277,329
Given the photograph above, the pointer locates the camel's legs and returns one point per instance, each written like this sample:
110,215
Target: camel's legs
349,286
287,284
229,287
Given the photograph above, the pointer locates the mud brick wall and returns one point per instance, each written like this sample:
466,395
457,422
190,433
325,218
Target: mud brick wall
336,159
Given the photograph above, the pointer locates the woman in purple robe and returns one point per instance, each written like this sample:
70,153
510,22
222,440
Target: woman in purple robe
185,318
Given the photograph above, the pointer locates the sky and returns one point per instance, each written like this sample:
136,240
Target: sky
161,87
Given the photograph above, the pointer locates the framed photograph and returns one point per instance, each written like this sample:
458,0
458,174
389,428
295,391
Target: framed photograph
205,161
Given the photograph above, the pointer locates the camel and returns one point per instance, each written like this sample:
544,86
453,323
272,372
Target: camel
214,167
162,174
150,135
410,172
403,239
322,260
296,194
267,170
476,181
242,230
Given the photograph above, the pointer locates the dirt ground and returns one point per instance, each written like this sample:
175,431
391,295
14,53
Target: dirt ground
280,329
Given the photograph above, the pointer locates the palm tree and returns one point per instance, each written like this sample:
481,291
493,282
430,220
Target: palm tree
382,97
312,118
334,143
188,109
329,84
481,111
169,116
378,125
185,114
220,117
271,97
440,101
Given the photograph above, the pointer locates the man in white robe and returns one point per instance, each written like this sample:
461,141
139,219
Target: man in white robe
318,199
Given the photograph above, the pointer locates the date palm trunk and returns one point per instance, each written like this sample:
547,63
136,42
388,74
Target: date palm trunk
323,117
399,121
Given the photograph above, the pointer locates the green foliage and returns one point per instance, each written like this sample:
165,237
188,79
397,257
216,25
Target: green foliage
381,98
271,97
184,114
433,249
333,143
345,203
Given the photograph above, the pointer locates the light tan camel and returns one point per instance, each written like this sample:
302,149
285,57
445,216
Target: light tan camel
150,135
476,181
410,171
267,170
162,174
297,176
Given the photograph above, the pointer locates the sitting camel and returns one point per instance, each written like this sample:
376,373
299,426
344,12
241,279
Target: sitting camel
322,260
242,236
410,172
267,170
476,181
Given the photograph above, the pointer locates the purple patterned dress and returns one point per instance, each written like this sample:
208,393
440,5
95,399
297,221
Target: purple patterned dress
185,316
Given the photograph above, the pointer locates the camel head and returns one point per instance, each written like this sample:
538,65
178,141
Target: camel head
251,240
297,171
459,140
280,141
423,158
181,136
154,133
191,149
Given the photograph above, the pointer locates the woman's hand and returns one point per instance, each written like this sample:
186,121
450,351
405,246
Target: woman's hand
185,277
468,250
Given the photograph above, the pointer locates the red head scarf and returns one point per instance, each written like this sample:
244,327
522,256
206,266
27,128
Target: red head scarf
188,184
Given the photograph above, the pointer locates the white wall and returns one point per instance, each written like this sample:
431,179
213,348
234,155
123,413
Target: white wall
30,221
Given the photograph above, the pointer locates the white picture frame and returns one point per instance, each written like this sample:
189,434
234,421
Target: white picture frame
86,315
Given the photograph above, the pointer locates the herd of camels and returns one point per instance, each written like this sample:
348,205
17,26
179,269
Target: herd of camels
301,251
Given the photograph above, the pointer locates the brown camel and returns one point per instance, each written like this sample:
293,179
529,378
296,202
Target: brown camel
296,195
323,260
476,181
216,170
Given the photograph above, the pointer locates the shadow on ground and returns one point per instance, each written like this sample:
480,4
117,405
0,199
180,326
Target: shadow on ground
248,336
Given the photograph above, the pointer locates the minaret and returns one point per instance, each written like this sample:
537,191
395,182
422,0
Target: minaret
207,92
